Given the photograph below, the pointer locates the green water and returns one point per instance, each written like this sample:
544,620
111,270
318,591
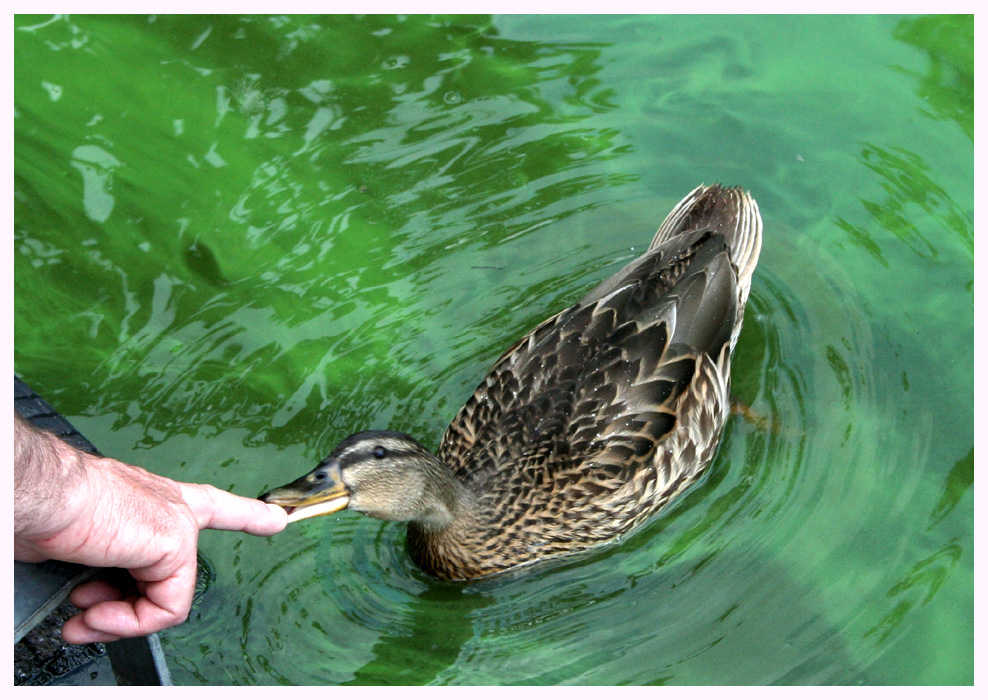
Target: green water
239,239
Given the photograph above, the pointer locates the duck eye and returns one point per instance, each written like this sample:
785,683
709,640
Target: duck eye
379,452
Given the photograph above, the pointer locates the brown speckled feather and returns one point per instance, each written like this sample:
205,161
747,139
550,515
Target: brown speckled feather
594,420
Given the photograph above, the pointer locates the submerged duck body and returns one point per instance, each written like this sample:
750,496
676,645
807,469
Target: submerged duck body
582,429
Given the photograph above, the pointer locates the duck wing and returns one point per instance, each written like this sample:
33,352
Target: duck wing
578,413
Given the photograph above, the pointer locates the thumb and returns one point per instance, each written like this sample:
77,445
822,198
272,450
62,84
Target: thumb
216,509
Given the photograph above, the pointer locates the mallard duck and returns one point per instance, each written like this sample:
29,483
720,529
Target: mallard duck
582,429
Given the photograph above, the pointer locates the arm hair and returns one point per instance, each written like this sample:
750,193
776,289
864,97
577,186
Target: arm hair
46,470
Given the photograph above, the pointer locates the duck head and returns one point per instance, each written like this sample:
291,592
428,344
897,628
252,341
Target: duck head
383,474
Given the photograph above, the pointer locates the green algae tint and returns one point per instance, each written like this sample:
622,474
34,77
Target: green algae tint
239,239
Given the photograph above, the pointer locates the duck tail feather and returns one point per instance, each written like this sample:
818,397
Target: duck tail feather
727,210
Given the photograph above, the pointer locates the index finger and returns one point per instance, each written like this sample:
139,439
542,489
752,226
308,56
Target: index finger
216,509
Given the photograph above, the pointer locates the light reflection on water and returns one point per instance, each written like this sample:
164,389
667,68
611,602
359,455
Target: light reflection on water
265,245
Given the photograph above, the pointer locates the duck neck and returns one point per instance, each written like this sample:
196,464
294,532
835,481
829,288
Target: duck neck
445,498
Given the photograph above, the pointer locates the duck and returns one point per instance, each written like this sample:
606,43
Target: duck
584,428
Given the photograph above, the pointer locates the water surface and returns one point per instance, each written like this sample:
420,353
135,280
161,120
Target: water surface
239,239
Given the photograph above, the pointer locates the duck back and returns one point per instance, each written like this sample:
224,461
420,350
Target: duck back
595,419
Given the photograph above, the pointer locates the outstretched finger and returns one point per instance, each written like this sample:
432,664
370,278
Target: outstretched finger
221,510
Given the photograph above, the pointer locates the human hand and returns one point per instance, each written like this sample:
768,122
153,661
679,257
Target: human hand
116,515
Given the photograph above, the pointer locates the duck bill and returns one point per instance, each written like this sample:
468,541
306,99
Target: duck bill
320,492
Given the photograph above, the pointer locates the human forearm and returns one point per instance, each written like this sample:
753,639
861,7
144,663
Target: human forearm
49,485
